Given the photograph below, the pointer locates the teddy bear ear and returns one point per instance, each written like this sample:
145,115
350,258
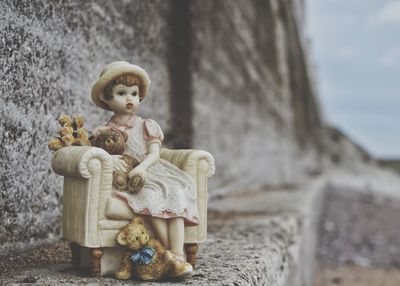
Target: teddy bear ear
121,238
103,130
137,220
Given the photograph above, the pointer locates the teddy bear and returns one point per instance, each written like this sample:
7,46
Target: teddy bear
145,258
71,133
114,142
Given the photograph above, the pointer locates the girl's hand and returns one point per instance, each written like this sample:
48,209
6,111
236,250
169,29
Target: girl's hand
119,165
136,179
137,170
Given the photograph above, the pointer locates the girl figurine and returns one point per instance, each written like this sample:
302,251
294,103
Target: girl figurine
168,196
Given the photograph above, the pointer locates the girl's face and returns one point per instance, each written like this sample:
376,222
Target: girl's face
125,99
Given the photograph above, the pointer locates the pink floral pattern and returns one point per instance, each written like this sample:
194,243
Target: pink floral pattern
168,192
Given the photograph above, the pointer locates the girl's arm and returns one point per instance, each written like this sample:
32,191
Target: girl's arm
152,156
119,164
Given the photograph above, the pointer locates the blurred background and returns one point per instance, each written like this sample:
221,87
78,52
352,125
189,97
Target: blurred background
281,92
355,52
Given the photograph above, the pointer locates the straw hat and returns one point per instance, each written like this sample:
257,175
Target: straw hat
112,71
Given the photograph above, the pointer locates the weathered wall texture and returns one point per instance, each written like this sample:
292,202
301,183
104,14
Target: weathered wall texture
254,105
343,153
51,53
228,76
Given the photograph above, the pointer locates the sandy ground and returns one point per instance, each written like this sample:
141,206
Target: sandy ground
58,253
357,276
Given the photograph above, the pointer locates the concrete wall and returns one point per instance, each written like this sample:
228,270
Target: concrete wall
229,77
341,152
254,104
51,53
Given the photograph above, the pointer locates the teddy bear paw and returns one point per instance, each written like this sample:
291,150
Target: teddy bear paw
119,181
135,183
122,275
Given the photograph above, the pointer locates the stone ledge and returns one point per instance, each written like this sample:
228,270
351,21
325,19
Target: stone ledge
366,233
249,243
292,216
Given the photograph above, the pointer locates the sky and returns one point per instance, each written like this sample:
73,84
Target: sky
355,52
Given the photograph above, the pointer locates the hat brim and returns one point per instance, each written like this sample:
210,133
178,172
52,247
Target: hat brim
109,75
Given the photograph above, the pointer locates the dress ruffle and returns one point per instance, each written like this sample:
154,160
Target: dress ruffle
190,220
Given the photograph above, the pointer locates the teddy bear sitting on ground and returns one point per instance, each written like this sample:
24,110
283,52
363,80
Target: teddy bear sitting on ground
114,141
145,258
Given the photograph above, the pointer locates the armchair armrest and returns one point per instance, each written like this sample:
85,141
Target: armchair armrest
74,161
87,175
188,159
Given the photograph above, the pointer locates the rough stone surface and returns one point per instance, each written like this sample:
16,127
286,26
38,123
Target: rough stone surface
231,74
359,222
359,226
248,250
357,276
250,246
302,202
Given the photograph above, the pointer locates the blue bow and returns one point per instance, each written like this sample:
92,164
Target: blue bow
143,256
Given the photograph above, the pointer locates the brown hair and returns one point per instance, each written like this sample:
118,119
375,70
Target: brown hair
126,79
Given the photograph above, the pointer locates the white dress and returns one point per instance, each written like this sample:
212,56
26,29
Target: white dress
168,192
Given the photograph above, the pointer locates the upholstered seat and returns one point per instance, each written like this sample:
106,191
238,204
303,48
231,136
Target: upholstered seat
117,209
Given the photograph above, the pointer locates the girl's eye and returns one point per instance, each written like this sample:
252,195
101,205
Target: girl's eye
134,93
120,93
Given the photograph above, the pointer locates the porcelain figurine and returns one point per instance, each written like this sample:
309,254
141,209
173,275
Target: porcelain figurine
128,177
164,194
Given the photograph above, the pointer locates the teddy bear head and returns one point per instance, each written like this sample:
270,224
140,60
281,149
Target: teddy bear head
65,120
134,235
110,139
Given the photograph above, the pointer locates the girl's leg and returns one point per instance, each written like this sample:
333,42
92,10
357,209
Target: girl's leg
176,231
161,230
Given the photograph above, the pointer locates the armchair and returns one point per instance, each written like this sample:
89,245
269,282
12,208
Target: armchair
92,217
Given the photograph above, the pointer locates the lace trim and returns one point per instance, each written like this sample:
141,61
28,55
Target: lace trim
130,123
165,213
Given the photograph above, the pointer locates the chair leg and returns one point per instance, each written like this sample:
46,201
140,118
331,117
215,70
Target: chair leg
191,251
75,255
95,265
